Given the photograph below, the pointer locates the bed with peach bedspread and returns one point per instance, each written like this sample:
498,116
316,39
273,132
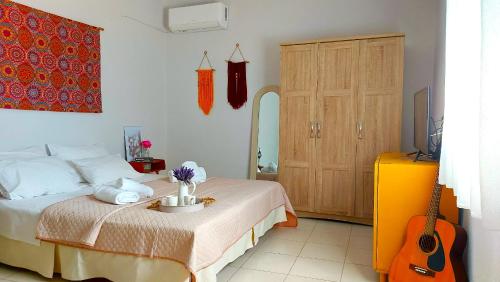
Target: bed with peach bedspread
198,242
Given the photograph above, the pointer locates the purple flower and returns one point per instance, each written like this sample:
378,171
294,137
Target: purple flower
184,174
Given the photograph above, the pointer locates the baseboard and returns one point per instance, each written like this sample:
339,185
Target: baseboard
359,220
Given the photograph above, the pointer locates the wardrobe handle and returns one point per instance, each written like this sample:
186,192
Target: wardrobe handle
318,130
311,133
360,130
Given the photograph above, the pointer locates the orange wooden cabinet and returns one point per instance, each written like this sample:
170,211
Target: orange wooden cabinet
402,189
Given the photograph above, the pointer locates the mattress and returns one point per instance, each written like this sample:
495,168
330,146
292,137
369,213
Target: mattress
19,218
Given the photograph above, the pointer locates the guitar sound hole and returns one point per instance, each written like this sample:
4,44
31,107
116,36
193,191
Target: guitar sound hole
427,243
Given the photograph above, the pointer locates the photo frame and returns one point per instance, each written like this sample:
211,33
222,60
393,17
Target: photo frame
133,138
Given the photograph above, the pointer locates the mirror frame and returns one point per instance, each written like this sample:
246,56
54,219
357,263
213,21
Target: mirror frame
255,126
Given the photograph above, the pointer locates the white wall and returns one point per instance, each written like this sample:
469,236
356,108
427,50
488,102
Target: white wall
268,139
483,251
133,81
439,63
221,141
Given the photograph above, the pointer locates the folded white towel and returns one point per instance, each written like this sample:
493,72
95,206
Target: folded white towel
171,177
116,196
134,186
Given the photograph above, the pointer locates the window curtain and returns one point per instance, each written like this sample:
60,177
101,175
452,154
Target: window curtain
470,156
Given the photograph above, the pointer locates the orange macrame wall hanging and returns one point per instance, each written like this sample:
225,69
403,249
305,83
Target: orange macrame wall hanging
206,90
205,86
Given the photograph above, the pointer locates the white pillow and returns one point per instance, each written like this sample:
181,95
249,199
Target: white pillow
77,152
103,170
70,153
28,178
25,153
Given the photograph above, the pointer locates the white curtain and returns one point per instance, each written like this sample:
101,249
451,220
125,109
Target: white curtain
470,158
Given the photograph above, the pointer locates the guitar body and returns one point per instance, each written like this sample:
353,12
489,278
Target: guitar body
442,260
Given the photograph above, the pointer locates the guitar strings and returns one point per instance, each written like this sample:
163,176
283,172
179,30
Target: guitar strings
428,241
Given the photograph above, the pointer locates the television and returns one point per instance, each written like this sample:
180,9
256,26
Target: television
422,122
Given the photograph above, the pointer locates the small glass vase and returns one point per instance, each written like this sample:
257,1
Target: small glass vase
145,153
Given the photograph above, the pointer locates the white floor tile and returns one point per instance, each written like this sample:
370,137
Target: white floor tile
270,262
329,238
332,226
321,251
291,278
242,259
6,271
27,276
318,269
362,230
249,275
281,246
264,237
226,273
358,273
359,256
292,234
360,242
306,223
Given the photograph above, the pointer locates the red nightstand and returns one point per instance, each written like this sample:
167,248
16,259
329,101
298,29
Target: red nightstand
149,167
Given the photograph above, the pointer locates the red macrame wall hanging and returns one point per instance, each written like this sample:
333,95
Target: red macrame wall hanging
47,62
236,81
205,86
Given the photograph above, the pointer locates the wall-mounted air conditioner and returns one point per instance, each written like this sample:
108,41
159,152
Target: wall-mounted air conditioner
204,17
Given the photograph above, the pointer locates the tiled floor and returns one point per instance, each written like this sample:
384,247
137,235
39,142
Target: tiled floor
316,251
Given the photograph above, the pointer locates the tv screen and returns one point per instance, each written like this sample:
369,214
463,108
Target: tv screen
422,120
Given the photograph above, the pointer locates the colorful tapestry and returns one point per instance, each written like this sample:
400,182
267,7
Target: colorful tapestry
205,90
48,63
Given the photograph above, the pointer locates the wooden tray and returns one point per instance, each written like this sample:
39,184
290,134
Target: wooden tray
179,209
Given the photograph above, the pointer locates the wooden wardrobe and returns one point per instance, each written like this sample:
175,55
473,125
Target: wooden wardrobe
340,106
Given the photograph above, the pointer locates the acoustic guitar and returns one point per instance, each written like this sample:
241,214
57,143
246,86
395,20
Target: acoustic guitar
433,248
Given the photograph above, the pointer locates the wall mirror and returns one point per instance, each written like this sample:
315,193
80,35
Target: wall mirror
265,134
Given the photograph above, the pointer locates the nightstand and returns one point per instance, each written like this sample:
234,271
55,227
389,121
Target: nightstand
154,166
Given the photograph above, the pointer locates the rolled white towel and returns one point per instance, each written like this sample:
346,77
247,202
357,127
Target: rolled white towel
134,186
116,196
200,175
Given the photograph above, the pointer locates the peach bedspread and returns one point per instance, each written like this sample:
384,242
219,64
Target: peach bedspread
196,240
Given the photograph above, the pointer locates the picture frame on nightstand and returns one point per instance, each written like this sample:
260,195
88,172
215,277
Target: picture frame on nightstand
132,138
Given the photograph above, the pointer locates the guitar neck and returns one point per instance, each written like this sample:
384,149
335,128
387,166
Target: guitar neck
433,211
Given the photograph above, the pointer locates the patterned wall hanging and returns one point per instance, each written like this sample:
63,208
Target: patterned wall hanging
205,86
48,63
236,80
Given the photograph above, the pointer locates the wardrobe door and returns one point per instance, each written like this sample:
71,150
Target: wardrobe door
336,133
379,111
297,114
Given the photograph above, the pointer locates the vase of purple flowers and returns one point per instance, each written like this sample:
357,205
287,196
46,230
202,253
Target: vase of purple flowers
184,176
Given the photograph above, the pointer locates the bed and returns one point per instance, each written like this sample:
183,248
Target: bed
181,248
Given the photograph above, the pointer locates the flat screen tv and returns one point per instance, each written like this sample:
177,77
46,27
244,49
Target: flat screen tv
422,121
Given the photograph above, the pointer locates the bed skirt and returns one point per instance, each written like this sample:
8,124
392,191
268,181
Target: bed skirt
79,264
